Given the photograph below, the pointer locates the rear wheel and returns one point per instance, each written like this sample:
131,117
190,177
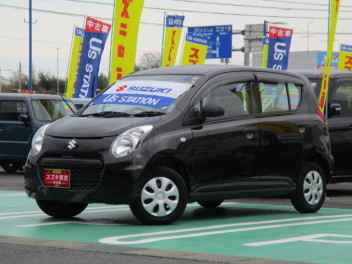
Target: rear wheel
310,191
61,209
210,204
162,198
11,167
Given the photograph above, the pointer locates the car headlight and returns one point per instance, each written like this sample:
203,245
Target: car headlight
37,141
128,141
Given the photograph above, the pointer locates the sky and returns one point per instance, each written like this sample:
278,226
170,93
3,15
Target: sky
54,20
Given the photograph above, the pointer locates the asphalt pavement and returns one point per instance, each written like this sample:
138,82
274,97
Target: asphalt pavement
30,250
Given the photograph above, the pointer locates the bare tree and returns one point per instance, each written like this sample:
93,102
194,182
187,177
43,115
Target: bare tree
149,60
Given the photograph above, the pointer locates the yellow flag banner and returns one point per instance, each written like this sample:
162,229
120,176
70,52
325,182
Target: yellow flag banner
124,39
334,12
265,52
195,49
345,60
173,31
74,62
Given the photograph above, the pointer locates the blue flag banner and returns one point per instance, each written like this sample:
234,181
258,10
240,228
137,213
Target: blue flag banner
95,35
279,47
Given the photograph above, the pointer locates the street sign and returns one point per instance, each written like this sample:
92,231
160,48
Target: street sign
220,40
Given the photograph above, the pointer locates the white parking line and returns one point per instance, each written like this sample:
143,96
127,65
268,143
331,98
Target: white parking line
119,240
309,238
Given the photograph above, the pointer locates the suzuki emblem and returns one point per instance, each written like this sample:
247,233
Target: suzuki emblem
71,144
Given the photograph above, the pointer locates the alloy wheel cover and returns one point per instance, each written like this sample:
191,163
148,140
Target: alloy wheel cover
160,196
313,188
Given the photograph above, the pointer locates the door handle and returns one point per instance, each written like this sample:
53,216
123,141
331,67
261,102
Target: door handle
249,132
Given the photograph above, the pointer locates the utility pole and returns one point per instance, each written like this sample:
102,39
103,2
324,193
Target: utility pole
30,22
20,81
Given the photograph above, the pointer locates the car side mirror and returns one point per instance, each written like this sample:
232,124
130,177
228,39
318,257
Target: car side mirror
334,109
212,110
25,119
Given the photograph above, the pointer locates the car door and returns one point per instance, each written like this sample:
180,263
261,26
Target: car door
226,147
285,127
14,134
340,125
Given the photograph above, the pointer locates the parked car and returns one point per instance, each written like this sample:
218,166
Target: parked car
21,115
339,118
201,134
80,102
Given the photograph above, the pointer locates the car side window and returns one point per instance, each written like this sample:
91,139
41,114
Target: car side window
11,110
279,96
343,96
234,98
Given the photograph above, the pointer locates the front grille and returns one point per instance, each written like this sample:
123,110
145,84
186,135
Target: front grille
85,176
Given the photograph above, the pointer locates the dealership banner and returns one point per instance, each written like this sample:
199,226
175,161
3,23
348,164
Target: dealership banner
156,94
127,17
95,35
195,49
321,60
334,12
279,47
345,62
265,52
74,61
173,31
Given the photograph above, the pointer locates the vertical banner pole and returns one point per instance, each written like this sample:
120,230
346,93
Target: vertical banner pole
333,18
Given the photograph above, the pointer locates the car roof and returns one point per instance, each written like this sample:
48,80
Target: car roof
32,96
207,69
319,73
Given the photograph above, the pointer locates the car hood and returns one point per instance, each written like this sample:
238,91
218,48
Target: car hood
95,127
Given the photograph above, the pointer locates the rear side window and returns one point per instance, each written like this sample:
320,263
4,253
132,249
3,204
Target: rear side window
279,96
11,110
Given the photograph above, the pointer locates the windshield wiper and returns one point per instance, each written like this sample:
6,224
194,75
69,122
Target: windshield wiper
149,113
108,114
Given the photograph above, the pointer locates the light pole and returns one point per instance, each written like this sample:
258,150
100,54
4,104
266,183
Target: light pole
57,66
308,36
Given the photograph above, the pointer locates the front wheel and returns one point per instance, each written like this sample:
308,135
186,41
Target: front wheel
310,191
162,198
61,209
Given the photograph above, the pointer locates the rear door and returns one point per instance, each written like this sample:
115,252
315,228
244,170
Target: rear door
15,136
285,126
226,148
340,126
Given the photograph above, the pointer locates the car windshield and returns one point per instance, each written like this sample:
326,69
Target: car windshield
49,110
143,95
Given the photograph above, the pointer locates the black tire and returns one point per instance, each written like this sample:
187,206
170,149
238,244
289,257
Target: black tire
210,204
162,197
11,167
61,209
310,191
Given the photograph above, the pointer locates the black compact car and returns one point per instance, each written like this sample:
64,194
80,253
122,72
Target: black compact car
339,118
159,139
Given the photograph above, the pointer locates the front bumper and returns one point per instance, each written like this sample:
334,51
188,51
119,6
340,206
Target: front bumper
96,177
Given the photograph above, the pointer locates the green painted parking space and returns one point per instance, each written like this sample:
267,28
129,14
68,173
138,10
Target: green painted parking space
235,229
